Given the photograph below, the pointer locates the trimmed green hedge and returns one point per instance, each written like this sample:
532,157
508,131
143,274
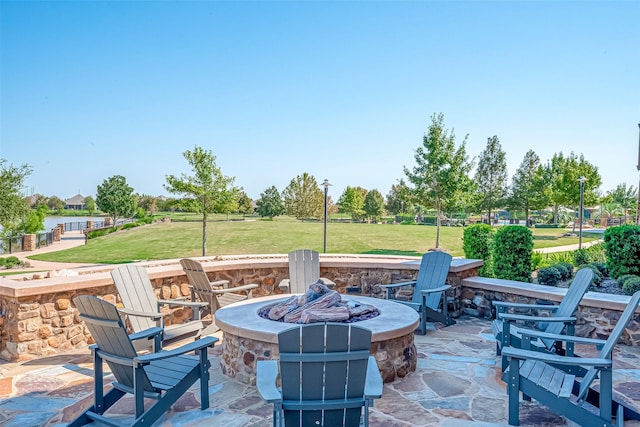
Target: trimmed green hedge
478,244
512,259
622,245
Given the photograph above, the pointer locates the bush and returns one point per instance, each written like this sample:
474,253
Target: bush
622,246
98,233
478,244
549,276
597,275
11,261
130,225
581,257
568,268
2,262
631,285
513,246
623,279
562,269
602,267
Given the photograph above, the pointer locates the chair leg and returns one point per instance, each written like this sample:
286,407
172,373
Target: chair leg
514,392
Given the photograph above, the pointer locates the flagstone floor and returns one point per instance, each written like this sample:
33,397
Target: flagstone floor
457,383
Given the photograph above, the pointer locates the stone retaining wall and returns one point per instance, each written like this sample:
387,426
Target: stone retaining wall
596,317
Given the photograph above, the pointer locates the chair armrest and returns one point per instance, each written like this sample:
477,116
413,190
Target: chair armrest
183,303
551,319
266,376
434,290
328,283
147,333
191,347
285,284
373,381
512,352
559,337
396,285
523,305
233,289
223,283
129,312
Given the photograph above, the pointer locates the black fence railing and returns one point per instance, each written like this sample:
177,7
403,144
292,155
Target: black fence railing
11,244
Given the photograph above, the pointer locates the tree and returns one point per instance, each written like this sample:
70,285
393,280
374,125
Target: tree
303,198
624,196
399,199
270,203
228,201
491,176
34,221
440,176
13,206
147,202
55,203
245,204
206,190
528,186
373,204
352,202
90,203
116,198
563,174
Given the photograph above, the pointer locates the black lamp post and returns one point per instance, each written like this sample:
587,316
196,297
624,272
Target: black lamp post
326,185
582,179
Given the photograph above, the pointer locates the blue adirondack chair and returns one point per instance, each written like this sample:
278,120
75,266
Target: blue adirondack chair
328,377
429,290
533,373
562,318
163,376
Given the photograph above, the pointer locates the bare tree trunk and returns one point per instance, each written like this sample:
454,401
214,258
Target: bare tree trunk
204,234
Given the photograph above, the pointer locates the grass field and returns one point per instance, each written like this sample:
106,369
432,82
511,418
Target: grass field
184,239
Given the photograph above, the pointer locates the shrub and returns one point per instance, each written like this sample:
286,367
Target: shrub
597,276
549,276
631,285
622,246
3,262
11,261
539,260
513,246
568,268
581,257
602,267
562,269
98,233
129,225
623,279
478,244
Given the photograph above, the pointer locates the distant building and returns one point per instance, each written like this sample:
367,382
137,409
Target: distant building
75,203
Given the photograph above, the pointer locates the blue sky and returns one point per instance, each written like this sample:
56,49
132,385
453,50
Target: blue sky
341,90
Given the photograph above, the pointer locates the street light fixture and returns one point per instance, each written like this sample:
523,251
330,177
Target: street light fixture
582,179
326,186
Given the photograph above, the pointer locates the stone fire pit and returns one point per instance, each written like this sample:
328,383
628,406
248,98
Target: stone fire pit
249,337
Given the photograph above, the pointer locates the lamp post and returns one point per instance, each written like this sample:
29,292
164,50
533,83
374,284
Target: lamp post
326,185
582,179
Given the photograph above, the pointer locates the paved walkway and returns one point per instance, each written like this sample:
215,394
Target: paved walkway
457,384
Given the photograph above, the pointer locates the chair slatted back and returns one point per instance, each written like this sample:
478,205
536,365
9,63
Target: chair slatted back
304,269
569,303
198,278
107,329
611,342
323,369
135,290
434,268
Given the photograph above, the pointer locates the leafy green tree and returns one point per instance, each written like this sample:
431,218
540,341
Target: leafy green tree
228,201
528,187
373,204
34,221
270,203
440,175
303,198
491,176
90,203
351,202
148,203
399,198
564,174
245,204
13,206
55,203
204,191
625,197
116,198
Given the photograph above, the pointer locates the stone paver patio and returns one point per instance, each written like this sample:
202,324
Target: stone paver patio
457,383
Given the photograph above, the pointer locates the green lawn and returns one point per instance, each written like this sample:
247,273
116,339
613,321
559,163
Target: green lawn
183,239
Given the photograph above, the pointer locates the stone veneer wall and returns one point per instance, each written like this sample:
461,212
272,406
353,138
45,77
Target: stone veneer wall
596,317
38,318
